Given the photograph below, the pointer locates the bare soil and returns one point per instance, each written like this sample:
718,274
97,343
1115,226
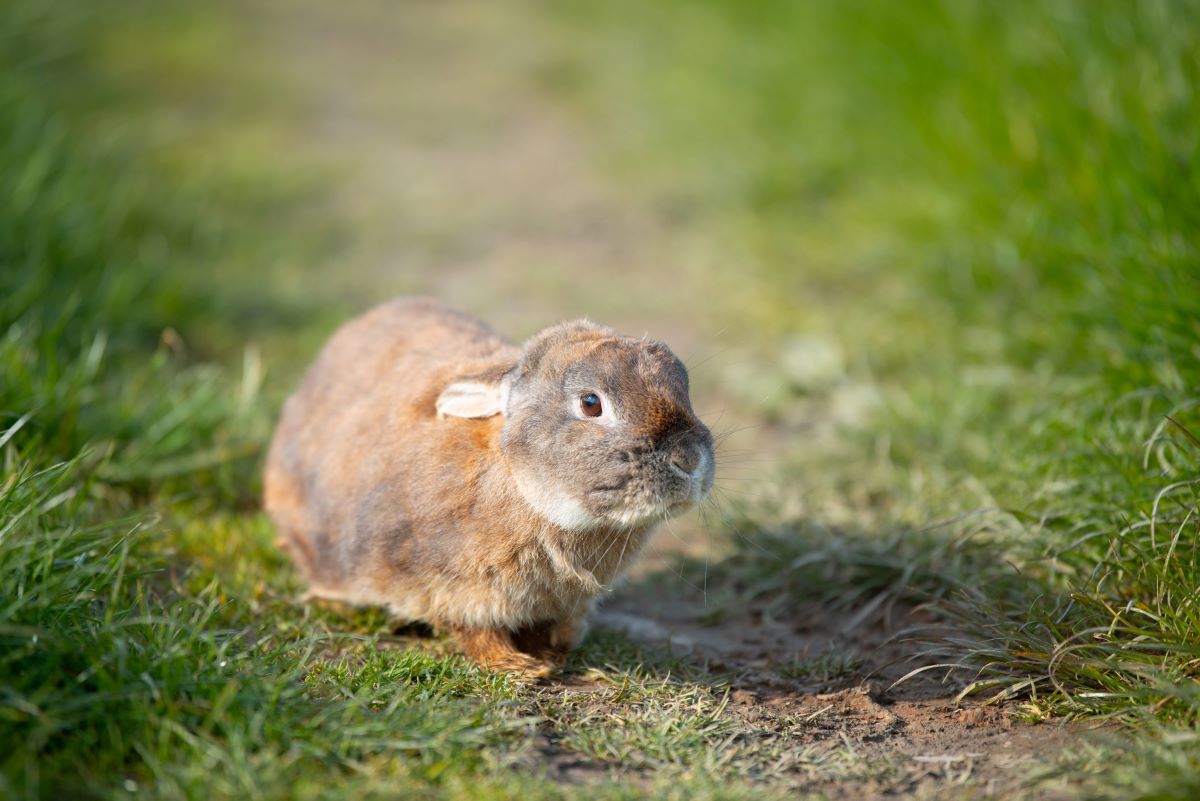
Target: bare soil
911,737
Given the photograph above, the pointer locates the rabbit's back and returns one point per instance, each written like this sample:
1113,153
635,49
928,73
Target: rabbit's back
400,347
357,452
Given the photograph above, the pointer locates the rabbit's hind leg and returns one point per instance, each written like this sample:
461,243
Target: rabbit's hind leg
550,640
494,647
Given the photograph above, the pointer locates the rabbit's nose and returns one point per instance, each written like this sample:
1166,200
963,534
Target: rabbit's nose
686,457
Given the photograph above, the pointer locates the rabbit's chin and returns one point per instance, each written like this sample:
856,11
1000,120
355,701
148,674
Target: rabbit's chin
564,510
638,518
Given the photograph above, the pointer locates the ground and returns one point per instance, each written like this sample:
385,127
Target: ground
471,185
934,283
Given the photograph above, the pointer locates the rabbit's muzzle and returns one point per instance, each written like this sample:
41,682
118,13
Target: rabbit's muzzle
656,481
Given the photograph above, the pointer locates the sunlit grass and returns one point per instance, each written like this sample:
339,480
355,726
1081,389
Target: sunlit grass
988,213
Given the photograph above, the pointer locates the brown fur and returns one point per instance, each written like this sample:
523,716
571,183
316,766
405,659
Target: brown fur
379,499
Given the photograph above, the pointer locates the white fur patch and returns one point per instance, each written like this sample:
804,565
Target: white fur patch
638,517
555,504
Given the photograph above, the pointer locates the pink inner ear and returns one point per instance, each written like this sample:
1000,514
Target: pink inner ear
470,399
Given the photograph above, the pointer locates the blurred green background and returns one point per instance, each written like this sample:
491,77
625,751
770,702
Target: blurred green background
927,261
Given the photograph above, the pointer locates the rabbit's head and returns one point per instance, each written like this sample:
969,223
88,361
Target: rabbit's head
598,428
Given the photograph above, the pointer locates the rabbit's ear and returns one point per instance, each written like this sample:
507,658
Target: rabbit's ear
474,396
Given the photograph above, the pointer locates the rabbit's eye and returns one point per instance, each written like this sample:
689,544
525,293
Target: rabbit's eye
589,404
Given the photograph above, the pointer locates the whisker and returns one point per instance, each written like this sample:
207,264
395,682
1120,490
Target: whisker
761,462
739,451
748,427
747,539
678,572
707,551
706,359
745,492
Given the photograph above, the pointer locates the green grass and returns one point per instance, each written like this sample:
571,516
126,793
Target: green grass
987,213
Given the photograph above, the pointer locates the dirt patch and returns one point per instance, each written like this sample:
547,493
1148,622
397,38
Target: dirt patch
818,694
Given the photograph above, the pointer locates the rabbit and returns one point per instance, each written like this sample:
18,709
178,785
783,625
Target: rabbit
427,465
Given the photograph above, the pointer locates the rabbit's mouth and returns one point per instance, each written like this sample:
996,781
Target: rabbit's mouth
640,515
651,508
629,500
648,499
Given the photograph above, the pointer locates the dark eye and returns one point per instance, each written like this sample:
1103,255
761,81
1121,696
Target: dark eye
589,404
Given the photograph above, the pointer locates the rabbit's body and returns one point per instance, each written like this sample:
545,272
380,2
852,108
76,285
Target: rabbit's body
391,485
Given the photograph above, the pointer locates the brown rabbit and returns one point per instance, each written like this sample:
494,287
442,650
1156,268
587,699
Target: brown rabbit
429,466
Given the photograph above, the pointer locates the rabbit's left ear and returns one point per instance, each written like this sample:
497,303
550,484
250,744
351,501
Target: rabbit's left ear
475,396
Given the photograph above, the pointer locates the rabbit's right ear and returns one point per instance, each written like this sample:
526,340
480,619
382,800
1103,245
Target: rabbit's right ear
475,396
